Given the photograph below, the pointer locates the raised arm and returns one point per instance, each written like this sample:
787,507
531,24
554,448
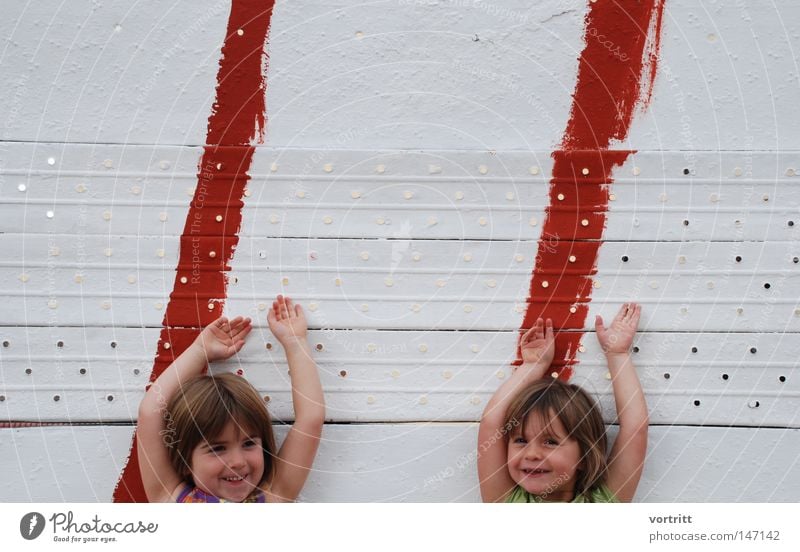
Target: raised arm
219,340
297,453
626,461
537,346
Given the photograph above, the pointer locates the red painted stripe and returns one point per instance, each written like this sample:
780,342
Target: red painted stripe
622,40
215,213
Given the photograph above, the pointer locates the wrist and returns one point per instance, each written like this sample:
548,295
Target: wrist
618,354
294,342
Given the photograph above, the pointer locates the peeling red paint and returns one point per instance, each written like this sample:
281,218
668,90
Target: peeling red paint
215,213
621,53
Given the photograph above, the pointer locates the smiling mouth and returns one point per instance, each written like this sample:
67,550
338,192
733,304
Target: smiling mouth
234,479
535,472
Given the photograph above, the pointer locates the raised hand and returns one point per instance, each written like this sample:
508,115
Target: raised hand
618,337
287,321
538,345
223,338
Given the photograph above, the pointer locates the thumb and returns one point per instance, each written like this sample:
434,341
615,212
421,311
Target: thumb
598,323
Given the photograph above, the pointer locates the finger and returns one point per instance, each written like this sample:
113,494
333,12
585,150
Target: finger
242,335
598,324
242,326
282,306
272,317
289,308
526,336
637,314
298,311
539,329
621,313
549,331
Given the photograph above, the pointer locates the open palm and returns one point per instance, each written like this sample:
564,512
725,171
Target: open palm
618,337
538,345
286,320
223,338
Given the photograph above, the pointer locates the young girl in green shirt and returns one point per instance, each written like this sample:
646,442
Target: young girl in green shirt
543,440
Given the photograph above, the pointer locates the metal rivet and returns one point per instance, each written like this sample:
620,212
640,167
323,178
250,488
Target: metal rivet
447,374
300,194
408,194
416,307
395,374
532,221
585,222
56,398
753,350
423,400
597,283
167,345
51,161
468,308
388,281
364,255
519,258
441,283
432,221
545,284
637,171
313,306
572,258
380,169
666,375
320,346
343,373
573,309
467,257
327,168
510,196
459,195
474,348
584,171
726,377
416,257
491,283
110,398
737,171
28,371
534,170
697,403
754,404
211,306
434,169
327,220
624,258
483,169
423,348
364,307
338,281
636,349
685,222
268,346
694,349
482,221
50,214
782,379
218,218
560,197
21,187
355,194
184,279
686,171
160,252
273,167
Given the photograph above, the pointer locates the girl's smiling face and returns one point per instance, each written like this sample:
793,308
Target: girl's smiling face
230,466
543,460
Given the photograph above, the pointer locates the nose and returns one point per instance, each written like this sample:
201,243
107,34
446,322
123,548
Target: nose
533,452
236,459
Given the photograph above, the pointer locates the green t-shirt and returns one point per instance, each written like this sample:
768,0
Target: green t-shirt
598,494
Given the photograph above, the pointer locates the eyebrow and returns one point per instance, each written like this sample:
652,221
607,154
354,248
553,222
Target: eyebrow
209,444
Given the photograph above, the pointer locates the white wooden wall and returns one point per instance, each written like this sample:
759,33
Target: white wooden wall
399,197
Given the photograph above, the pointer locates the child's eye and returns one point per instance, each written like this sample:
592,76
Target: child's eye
550,442
250,443
520,440
218,448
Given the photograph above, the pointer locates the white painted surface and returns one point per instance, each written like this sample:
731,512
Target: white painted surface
437,120
392,74
416,463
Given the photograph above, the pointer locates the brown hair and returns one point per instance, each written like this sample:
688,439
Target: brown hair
580,415
203,407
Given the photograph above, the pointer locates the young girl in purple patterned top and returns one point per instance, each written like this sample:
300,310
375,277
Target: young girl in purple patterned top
209,438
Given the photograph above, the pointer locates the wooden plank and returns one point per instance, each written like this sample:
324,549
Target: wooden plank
430,462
